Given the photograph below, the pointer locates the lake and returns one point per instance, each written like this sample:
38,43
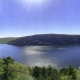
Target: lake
58,57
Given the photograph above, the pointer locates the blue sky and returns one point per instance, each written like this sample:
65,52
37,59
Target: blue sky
22,18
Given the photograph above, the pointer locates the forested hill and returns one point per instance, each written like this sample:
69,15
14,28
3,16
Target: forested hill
6,40
47,39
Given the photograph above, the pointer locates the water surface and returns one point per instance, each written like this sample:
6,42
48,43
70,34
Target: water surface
58,57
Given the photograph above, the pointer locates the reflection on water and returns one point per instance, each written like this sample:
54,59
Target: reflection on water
36,56
57,57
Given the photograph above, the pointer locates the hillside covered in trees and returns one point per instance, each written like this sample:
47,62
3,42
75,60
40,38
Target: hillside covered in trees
6,40
11,70
47,39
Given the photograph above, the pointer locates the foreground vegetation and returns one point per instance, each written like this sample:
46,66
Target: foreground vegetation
11,70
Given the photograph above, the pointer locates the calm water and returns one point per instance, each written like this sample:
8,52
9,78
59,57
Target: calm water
57,57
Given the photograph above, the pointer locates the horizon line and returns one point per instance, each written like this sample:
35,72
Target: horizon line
38,34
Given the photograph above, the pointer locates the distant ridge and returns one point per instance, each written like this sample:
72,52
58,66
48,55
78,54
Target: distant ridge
6,40
47,39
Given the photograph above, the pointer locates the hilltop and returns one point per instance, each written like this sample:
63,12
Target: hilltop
47,39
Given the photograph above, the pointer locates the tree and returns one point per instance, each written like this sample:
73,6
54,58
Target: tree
65,71
37,72
6,71
73,73
44,72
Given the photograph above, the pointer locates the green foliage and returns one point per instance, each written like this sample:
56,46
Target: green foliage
45,73
11,70
65,71
73,73
6,68
68,72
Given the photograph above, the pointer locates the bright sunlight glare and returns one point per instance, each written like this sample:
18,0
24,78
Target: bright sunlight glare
33,4
34,1
38,5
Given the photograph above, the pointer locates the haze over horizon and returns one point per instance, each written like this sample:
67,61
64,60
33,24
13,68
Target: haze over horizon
36,34
28,17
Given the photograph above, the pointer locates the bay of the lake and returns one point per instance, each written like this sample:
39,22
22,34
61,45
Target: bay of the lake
58,57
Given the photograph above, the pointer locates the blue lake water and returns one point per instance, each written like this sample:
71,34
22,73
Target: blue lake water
58,57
